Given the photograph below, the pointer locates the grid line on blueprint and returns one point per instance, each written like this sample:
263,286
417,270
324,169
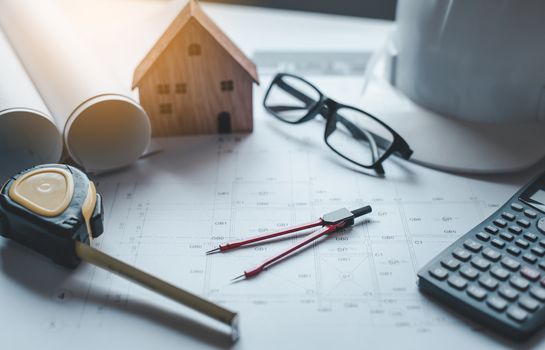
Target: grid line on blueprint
368,269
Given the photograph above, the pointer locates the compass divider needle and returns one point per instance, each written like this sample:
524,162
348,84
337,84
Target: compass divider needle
335,217
238,278
314,236
233,245
330,222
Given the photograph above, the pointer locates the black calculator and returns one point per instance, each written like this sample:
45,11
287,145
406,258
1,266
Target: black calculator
495,273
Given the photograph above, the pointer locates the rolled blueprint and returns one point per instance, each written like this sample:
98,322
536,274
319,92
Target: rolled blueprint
28,134
102,128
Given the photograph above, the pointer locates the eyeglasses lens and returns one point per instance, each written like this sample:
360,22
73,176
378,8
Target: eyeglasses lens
359,137
291,99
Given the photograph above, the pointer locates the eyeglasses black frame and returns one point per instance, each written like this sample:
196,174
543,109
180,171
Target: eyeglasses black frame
328,108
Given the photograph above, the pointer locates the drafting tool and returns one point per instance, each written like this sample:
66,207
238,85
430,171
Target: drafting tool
330,222
56,211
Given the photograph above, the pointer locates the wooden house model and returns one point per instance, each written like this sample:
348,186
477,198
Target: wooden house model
195,80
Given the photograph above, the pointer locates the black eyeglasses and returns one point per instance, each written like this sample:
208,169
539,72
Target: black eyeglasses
352,133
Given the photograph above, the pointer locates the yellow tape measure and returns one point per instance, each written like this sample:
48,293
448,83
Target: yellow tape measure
55,210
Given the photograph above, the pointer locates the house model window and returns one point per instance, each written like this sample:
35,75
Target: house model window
194,50
187,80
163,89
165,108
181,88
227,85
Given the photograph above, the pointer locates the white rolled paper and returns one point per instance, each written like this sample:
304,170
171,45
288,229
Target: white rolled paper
102,127
28,134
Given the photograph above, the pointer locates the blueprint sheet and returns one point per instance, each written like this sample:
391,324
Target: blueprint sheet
354,290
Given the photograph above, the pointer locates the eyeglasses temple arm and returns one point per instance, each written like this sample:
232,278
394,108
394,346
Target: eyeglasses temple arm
354,130
283,108
406,152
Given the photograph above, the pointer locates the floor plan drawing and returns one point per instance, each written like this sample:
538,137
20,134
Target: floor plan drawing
166,211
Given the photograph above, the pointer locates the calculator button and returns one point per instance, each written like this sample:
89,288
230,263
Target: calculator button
517,207
528,303
480,263
529,258
519,283
497,303
542,282
508,216
521,243
491,229
491,254
511,264
488,282
538,293
469,272
457,282
517,314
451,264
538,251
497,243
508,293
530,213
499,273
541,265
500,223
439,273
483,236
476,292
506,236
523,223
513,250
461,254
473,246
529,273
515,229
530,236
541,225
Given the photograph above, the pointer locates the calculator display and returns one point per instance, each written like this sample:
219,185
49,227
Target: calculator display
534,195
539,197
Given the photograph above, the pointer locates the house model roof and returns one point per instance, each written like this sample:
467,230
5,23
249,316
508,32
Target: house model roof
193,11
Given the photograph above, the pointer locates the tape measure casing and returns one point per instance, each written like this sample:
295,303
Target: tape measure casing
50,227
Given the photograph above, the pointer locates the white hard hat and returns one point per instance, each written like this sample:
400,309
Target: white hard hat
464,83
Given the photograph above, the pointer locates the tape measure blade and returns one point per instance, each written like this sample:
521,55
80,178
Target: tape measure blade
100,259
